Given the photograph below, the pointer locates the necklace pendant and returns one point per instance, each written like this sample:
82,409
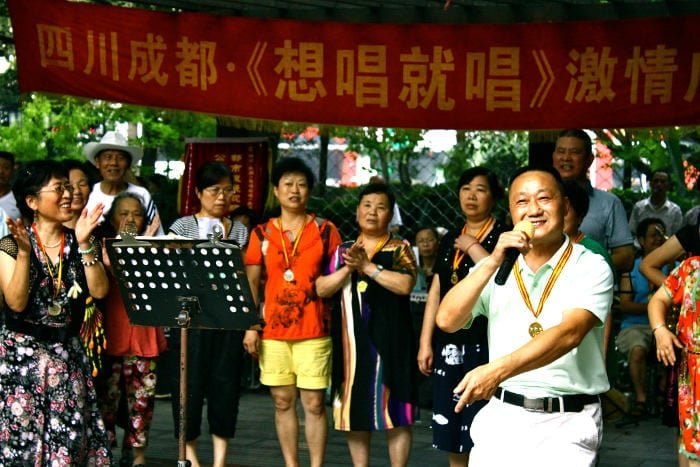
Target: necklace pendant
288,275
534,329
55,309
454,278
362,286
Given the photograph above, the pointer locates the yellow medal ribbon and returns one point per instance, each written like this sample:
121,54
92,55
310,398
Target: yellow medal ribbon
459,254
55,307
535,327
362,285
377,247
288,273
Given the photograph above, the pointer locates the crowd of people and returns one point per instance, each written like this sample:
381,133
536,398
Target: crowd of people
527,352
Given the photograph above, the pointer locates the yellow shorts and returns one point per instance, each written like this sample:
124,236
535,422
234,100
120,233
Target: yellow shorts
305,363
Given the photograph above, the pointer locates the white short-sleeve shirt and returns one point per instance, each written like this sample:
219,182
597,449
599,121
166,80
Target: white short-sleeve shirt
585,282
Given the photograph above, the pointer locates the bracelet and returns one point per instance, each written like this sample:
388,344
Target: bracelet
653,330
88,251
92,262
379,269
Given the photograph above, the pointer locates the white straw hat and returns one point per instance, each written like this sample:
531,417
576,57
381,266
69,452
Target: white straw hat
112,140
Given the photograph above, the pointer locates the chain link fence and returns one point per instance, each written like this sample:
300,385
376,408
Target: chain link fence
429,201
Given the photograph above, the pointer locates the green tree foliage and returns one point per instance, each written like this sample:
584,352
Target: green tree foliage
500,151
390,148
59,127
641,151
9,89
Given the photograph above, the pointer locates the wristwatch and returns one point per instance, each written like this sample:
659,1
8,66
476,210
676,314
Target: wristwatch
374,275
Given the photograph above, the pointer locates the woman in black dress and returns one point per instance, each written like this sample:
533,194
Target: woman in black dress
449,356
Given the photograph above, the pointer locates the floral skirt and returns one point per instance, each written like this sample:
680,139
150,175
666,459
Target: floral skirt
688,400
48,407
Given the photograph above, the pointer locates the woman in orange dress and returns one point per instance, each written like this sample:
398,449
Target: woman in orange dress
681,288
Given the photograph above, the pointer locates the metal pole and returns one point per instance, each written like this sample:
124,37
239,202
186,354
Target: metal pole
182,435
183,320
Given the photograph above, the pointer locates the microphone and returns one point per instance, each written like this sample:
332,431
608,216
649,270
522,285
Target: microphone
512,253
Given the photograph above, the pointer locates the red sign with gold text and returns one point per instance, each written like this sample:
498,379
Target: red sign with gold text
246,157
642,72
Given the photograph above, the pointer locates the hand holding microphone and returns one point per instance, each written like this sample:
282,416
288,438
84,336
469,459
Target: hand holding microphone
512,254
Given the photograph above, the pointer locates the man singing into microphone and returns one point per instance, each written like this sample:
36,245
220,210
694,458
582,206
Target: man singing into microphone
545,333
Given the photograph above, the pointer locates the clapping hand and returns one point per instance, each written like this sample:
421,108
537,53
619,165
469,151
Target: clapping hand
87,222
19,233
355,257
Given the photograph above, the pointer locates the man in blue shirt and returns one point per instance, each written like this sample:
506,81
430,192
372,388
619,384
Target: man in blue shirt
606,221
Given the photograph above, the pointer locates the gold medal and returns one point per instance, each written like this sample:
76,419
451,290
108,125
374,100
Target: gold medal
535,328
362,286
288,275
55,309
454,278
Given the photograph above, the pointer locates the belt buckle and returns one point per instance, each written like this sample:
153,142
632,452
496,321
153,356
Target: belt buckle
533,405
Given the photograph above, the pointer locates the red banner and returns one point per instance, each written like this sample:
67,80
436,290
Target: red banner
642,72
247,159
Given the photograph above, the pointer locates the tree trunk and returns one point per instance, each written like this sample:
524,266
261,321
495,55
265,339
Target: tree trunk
626,175
384,164
673,147
404,172
323,162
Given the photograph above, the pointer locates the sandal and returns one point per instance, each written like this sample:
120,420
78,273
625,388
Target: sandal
126,459
639,410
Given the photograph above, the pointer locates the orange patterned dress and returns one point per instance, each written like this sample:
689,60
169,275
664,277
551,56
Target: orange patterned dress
682,285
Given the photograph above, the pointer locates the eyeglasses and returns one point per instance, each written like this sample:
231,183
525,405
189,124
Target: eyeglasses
59,189
217,190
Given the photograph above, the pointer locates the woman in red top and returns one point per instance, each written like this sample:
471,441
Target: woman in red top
129,368
681,288
295,349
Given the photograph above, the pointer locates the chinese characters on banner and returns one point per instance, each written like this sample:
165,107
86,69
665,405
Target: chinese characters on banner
642,72
247,159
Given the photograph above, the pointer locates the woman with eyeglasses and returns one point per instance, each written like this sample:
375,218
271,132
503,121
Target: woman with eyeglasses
214,357
48,408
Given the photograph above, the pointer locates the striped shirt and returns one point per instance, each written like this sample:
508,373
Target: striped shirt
188,226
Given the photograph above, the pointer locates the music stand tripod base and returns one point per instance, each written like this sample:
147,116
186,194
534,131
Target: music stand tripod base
185,284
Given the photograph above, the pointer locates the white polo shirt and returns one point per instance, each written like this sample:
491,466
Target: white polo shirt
585,282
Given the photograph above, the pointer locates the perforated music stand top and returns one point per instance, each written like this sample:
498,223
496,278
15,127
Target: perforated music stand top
153,274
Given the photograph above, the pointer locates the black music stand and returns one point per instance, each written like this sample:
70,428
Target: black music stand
184,283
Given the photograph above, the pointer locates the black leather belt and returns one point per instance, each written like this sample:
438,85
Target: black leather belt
573,403
39,332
